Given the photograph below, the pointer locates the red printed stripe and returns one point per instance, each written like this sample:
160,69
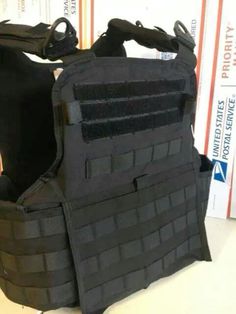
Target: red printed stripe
215,61
200,44
92,23
80,24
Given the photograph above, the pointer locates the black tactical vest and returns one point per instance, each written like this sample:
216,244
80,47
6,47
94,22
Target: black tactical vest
103,191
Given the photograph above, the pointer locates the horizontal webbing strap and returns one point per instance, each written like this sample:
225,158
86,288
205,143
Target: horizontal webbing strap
36,263
33,246
131,233
111,164
40,40
39,280
142,277
40,298
142,260
164,183
32,229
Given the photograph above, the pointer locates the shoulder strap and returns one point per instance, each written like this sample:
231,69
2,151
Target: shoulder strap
41,40
120,31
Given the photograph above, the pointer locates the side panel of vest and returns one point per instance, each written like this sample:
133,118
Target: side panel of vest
130,175
36,267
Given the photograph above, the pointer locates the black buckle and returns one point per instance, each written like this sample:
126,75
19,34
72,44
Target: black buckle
55,39
183,35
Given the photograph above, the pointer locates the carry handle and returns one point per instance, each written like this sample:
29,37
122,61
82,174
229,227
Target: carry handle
183,44
120,31
55,39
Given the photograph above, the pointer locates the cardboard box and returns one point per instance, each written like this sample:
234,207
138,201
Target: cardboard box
215,128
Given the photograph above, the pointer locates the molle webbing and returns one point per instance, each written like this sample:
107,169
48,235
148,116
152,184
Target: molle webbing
124,202
126,242
36,267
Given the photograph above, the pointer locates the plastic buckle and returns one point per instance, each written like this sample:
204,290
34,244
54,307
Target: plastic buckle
139,23
55,38
183,35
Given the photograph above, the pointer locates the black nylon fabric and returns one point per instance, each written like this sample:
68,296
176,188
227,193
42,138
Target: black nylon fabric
123,204
40,40
27,141
36,267
121,30
122,242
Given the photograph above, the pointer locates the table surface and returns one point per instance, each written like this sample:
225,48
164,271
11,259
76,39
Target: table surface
201,288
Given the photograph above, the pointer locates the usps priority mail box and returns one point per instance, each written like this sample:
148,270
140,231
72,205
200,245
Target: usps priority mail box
215,128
